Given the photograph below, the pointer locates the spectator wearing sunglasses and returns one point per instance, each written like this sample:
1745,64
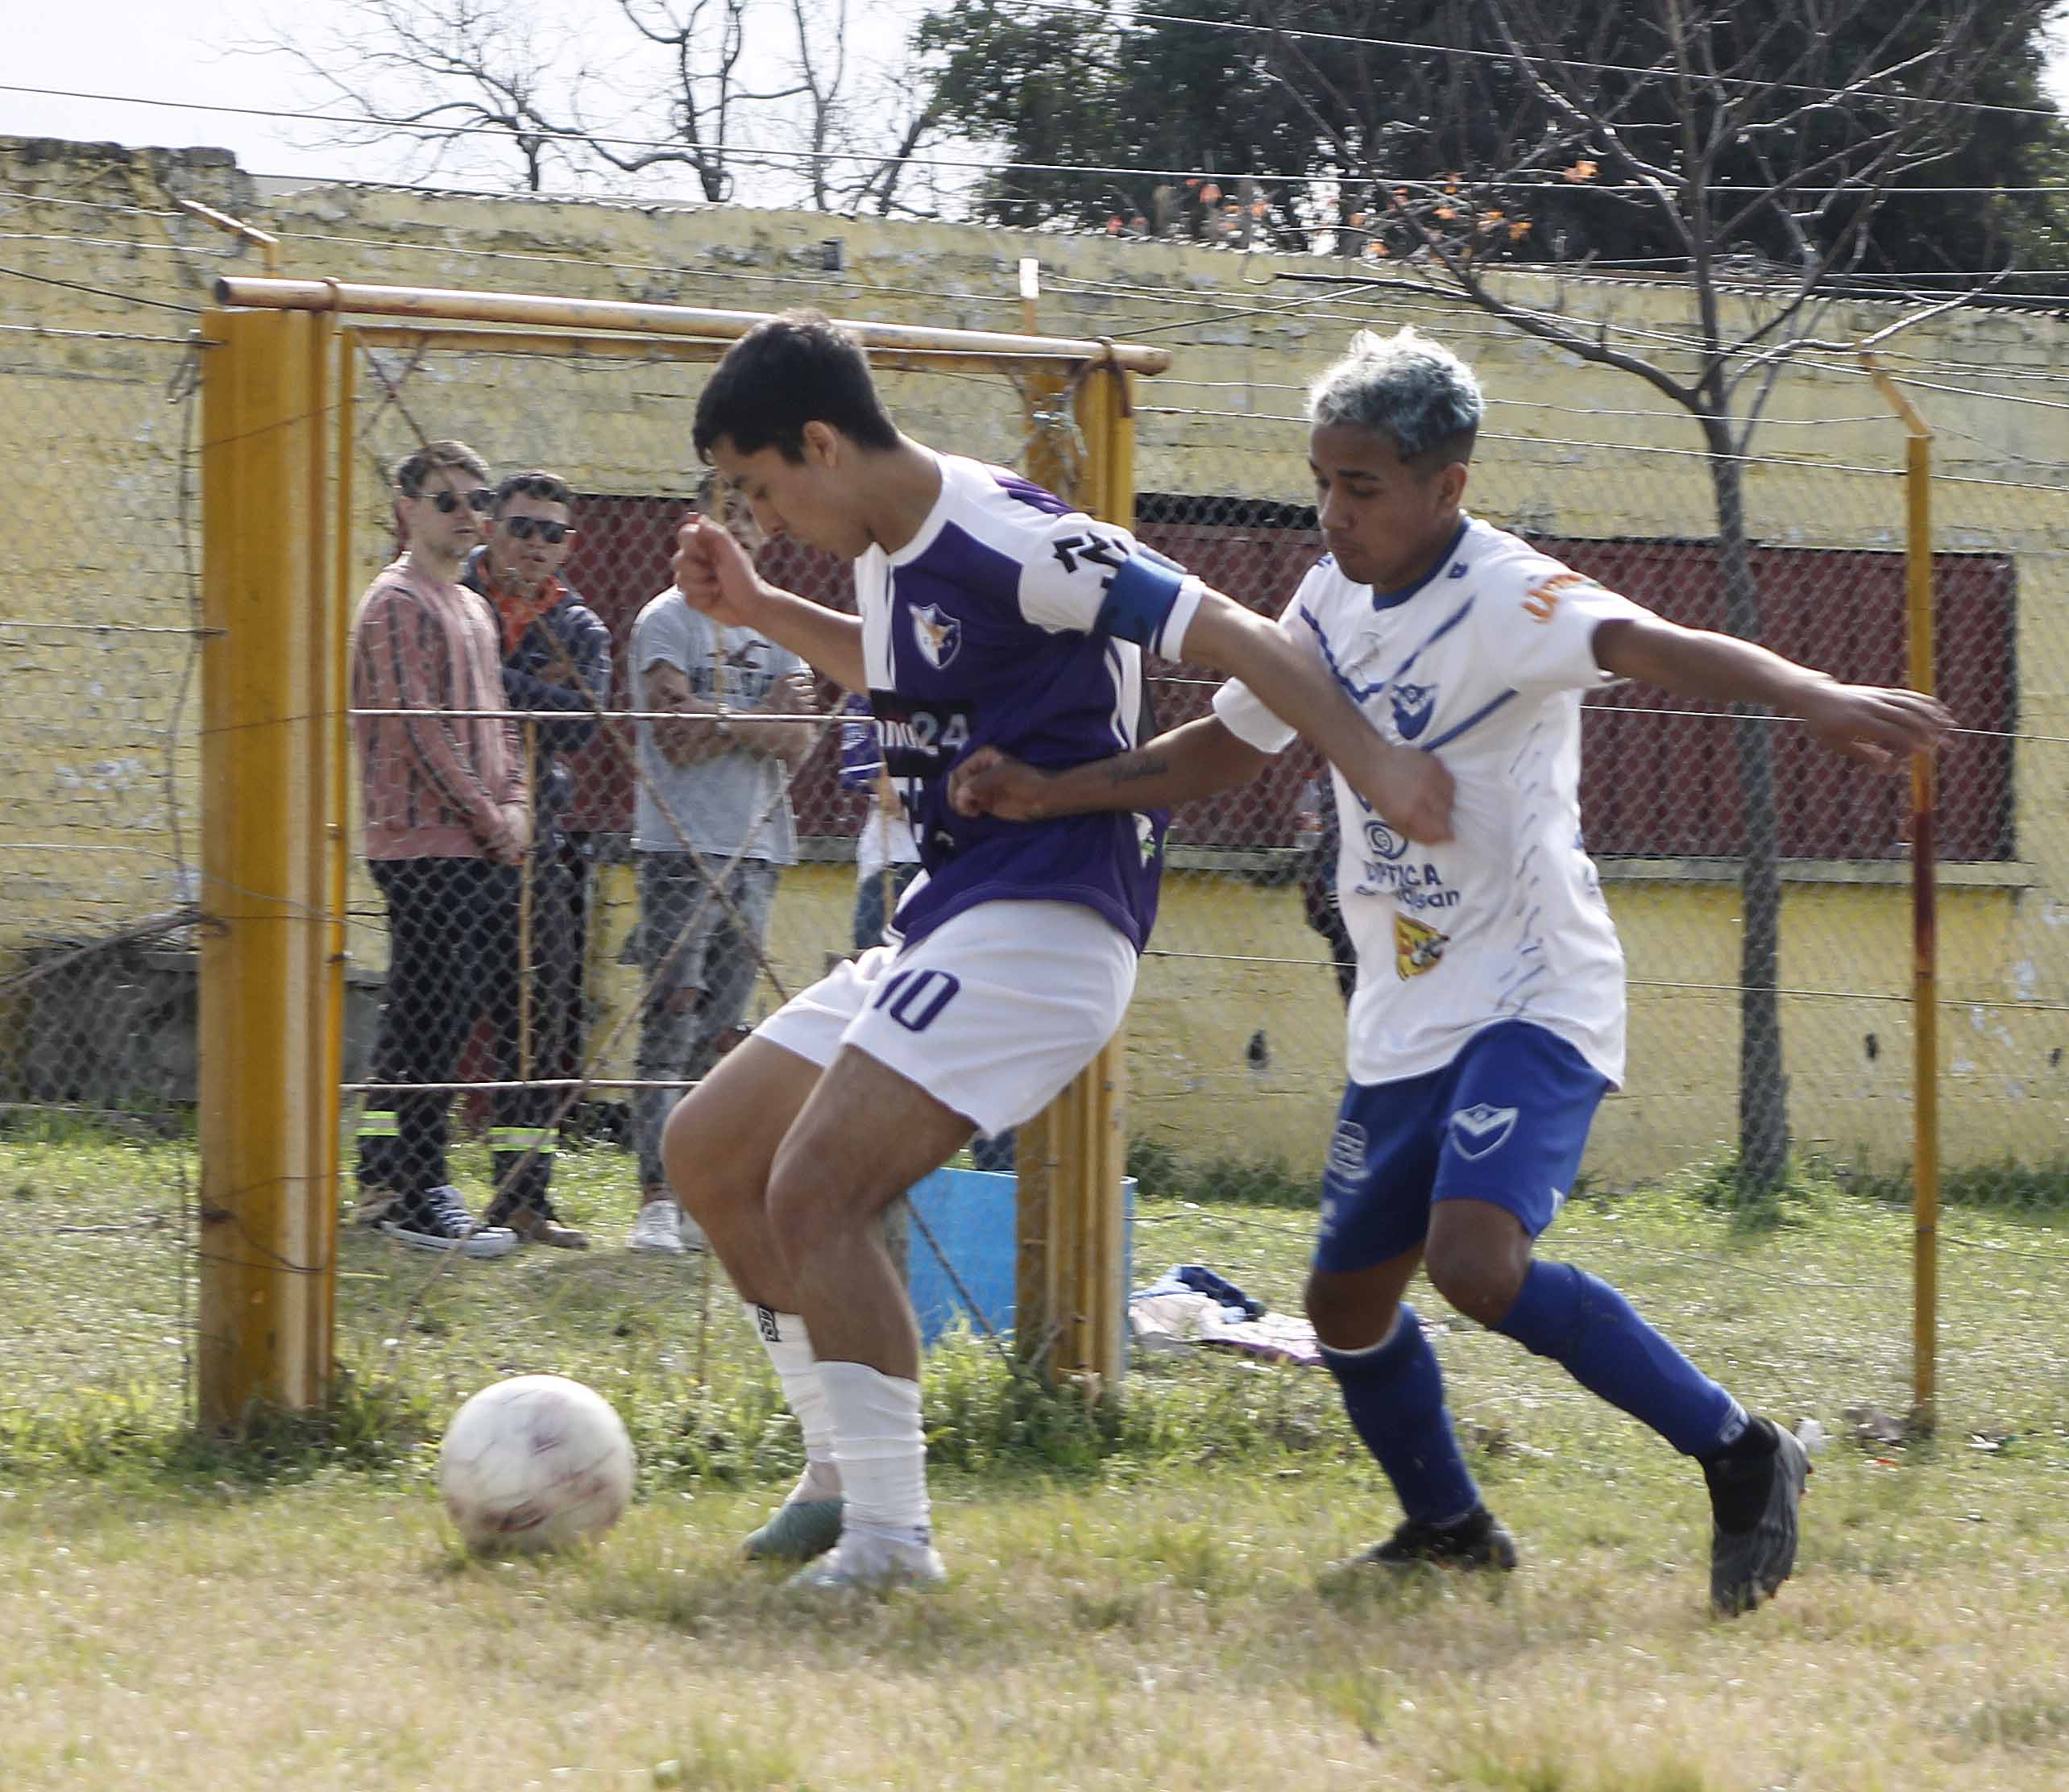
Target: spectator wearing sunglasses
557,666
447,818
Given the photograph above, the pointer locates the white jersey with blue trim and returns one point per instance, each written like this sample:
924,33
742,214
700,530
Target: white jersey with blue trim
1482,663
1012,620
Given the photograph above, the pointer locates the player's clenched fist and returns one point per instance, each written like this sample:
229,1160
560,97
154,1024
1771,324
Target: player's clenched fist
1410,789
714,573
993,783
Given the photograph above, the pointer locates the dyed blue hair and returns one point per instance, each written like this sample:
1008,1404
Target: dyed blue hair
1404,386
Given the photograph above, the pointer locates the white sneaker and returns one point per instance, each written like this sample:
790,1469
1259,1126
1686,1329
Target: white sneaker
658,1227
872,1559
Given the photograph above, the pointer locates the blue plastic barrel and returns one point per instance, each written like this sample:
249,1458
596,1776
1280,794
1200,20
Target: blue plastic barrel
972,1216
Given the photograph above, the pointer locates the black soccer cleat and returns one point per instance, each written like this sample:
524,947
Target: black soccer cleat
1754,1494
1478,1541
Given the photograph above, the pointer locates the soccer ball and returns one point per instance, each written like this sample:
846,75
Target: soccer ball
536,1462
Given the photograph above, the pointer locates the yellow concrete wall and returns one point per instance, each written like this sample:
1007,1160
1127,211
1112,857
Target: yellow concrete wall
1569,448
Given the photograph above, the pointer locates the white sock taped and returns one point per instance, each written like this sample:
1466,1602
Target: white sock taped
880,1447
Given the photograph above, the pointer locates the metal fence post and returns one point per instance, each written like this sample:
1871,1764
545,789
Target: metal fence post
1071,1304
268,1219
1925,949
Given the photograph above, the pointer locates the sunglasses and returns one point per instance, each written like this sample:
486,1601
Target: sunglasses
480,499
524,528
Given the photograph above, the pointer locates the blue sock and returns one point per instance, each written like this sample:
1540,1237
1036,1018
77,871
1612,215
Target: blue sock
1395,1395
1583,1323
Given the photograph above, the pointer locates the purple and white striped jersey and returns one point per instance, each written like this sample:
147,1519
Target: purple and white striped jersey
1011,621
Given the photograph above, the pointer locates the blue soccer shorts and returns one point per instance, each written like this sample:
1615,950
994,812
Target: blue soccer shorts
1505,1122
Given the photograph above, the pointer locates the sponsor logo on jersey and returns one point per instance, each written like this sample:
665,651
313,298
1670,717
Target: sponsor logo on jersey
936,633
1346,1160
1417,948
1107,552
1381,839
1459,569
1479,1129
1414,704
1542,600
921,741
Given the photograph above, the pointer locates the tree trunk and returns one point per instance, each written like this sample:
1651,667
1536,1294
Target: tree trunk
1762,1085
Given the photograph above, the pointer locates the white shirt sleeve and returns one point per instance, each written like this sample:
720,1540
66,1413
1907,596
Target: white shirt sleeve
669,633
1237,705
1539,622
1078,574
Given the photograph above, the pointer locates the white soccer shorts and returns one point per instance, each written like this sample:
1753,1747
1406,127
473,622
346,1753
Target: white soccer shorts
992,1013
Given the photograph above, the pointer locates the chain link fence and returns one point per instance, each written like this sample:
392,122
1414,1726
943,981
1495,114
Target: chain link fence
1678,797
98,849
1235,1042
684,877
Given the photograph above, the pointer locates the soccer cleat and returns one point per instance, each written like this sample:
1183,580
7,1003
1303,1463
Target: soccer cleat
1749,1561
797,1531
438,1220
1478,1541
659,1227
871,1561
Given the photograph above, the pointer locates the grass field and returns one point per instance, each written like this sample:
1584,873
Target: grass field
1136,1599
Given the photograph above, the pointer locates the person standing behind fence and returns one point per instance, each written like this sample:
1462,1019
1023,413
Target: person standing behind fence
447,820
556,665
713,829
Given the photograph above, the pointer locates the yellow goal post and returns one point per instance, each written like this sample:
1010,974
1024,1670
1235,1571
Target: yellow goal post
280,398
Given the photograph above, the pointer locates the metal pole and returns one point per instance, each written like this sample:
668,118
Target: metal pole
1073,1156
267,1228
541,312
1924,938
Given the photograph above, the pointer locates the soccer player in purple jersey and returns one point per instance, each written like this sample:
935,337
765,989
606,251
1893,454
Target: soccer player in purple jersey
990,614
1488,1019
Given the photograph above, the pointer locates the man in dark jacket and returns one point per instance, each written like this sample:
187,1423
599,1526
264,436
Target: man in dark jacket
557,667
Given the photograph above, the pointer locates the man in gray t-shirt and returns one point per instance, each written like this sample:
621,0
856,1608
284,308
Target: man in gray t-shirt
712,827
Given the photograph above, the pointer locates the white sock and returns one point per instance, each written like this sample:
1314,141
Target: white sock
790,1347
880,1447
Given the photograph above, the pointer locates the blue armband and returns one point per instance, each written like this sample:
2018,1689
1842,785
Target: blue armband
1139,597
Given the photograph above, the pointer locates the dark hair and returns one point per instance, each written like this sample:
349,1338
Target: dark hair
413,470
547,487
799,368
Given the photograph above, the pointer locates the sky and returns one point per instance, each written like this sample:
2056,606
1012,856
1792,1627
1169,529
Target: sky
190,52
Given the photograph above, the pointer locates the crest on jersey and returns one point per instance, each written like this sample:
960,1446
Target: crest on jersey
1477,1130
1417,948
1414,704
936,633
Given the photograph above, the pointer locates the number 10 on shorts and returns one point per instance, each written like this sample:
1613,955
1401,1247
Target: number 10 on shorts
915,999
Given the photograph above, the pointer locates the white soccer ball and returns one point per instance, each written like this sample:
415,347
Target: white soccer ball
536,1462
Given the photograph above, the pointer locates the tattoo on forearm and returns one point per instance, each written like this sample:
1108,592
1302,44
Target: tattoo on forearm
1134,768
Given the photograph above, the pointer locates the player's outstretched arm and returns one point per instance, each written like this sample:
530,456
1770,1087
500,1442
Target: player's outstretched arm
1200,759
1878,725
1408,787
714,575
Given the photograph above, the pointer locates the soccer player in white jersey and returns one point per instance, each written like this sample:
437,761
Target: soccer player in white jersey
990,613
1488,1020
